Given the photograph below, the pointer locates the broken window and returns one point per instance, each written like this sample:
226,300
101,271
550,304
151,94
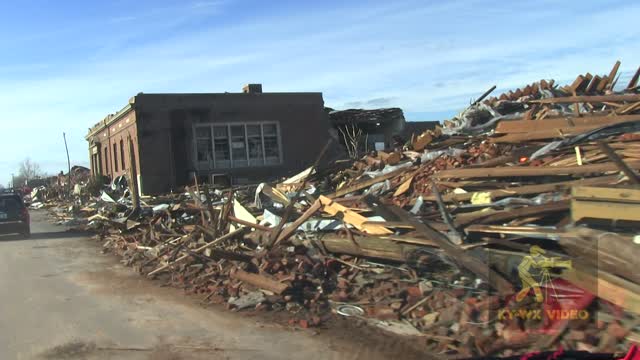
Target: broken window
241,145
254,139
221,146
238,146
271,144
204,147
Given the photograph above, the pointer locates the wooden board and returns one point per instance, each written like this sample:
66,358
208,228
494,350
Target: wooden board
590,202
464,259
363,184
368,246
291,229
592,99
529,189
488,217
634,79
525,171
526,126
613,194
551,133
608,287
404,187
260,281
604,210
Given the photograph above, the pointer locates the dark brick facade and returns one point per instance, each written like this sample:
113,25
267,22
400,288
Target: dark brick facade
162,129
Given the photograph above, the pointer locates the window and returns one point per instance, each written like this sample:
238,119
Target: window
203,144
10,204
221,146
122,154
115,157
238,145
271,145
254,141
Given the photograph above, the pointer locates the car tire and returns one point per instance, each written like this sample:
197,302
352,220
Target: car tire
26,234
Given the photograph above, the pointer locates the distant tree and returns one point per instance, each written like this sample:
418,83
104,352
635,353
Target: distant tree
28,170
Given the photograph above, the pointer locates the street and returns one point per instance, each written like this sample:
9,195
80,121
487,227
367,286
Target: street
63,299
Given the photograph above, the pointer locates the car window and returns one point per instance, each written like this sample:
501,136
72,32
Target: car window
9,203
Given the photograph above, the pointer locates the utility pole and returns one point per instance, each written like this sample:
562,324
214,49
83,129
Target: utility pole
64,136
12,181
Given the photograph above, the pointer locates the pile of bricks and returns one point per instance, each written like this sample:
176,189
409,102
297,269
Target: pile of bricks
480,237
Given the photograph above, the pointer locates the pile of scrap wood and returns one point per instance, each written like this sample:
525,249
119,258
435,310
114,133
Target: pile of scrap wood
514,227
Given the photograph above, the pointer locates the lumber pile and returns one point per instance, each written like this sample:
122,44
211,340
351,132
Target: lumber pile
512,228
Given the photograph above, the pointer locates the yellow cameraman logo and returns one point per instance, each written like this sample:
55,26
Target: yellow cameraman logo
534,270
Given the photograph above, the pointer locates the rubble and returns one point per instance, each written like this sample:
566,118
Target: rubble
431,240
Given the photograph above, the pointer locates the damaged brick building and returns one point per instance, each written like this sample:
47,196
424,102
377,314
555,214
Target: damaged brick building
248,136
377,129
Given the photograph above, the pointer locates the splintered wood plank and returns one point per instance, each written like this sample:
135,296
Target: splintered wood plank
582,209
608,194
291,229
363,184
530,189
606,286
260,281
488,217
552,133
629,108
593,84
461,257
634,79
367,246
526,126
577,83
612,74
603,84
404,187
592,99
622,166
525,171
588,77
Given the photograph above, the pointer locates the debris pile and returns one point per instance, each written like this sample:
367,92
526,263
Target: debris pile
512,228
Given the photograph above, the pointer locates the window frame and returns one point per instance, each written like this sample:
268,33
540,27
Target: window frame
247,162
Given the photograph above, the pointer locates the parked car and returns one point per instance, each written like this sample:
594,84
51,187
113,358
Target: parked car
14,215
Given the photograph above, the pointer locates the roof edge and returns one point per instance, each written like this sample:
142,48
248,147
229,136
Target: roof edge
111,118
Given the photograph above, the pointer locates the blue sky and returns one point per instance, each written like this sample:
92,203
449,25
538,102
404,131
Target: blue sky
64,65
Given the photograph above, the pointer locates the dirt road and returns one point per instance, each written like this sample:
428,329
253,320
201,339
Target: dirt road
62,299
